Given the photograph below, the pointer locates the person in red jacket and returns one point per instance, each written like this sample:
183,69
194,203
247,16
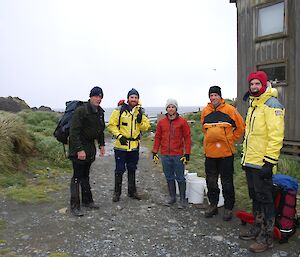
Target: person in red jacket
222,125
173,139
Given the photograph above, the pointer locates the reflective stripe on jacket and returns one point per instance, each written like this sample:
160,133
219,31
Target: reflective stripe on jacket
264,130
172,137
221,127
127,126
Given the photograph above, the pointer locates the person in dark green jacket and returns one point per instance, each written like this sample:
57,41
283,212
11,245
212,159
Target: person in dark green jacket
87,126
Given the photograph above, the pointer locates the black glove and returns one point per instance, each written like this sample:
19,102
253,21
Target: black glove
266,171
139,116
185,159
123,140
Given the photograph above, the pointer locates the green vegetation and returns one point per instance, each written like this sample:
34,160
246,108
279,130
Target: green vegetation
58,255
27,151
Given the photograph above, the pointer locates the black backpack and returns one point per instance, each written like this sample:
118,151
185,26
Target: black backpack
61,133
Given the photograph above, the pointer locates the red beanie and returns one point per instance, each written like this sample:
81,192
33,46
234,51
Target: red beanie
262,77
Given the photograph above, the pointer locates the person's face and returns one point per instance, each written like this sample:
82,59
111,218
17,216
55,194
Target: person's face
171,109
95,100
215,99
133,100
255,85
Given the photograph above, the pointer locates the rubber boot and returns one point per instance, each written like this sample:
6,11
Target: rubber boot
75,198
183,202
86,194
132,187
264,240
255,228
172,192
118,187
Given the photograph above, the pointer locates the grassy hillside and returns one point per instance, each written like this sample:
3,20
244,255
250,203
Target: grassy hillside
31,160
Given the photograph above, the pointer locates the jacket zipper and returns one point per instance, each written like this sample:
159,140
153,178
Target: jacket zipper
247,136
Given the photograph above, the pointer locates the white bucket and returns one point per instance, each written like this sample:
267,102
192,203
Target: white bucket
221,198
196,187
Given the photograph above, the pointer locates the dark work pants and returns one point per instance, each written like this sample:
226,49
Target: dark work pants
261,192
223,167
81,174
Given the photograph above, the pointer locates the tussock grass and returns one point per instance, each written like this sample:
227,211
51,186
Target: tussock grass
15,143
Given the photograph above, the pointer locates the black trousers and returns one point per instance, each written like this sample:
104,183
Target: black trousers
81,174
261,192
223,167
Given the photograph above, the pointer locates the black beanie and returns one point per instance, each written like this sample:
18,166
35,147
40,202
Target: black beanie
215,89
96,91
133,91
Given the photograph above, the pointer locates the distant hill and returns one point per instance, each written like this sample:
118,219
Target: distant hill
15,104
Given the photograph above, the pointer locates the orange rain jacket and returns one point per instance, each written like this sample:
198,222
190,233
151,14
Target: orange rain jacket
221,127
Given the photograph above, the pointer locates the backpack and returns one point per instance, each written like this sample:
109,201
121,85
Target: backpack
62,131
285,195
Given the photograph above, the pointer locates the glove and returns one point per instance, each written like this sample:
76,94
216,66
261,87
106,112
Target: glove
139,116
123,140
185,159
266,171
155,158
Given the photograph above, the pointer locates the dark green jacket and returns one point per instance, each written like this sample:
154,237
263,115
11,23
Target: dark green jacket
87,126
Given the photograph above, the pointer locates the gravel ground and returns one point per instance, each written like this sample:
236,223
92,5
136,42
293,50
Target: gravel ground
127,228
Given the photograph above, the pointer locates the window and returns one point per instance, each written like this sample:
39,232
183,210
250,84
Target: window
276,73
271,19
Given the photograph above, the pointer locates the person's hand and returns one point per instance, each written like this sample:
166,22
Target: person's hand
267,171
139,116
185,159
123,140
155,158
81,155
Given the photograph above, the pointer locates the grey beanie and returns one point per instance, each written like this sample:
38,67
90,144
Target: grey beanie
172,101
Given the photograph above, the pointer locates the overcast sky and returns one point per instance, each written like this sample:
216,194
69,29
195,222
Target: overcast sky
52,51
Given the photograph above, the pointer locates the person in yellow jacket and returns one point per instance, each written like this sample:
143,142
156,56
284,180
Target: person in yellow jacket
261,149
222,125
126,124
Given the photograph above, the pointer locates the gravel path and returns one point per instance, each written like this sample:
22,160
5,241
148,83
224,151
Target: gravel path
127,228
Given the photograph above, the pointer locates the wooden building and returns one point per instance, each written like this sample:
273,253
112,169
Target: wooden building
268,39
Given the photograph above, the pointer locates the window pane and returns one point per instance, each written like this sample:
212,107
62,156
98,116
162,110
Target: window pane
275,73
271,19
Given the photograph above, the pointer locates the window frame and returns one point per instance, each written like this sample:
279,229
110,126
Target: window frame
274,35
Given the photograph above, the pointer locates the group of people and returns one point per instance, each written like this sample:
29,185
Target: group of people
222,126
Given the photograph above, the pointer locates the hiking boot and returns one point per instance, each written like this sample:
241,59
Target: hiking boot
91,205
77,212
227,215
250,234
259,247
135,195
264,241
211,211
116,197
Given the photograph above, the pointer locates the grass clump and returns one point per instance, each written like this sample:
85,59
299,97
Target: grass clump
15,143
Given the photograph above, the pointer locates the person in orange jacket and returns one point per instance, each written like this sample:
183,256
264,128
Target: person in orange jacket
222,125
173,139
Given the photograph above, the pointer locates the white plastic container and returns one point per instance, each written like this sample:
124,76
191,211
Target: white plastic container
196,186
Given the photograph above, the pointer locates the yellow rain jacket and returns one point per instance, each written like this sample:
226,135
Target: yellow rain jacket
264,130
127,126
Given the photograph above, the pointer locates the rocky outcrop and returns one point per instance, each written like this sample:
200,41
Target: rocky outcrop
12,104
15,104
